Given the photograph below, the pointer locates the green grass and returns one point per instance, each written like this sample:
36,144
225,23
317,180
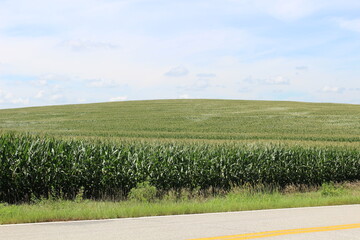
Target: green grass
61,210
192,119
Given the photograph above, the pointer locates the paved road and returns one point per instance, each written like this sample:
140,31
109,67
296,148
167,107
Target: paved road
308,223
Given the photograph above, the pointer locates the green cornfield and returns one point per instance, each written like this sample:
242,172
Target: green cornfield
38,166
193,120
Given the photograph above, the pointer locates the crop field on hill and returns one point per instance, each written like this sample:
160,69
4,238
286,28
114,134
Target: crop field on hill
272,143
192,119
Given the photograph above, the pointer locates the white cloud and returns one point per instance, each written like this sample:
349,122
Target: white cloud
56,97
6,96
23,101
329,89
302,68
40,94
278,80
102,83
46,79
244,90
289,9
41,82
9,98
198,85
115,99
353,25
184,96
354,89
82,45
178,71
206,75
251,80
193,42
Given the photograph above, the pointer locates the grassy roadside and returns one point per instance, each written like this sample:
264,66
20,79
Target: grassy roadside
236,200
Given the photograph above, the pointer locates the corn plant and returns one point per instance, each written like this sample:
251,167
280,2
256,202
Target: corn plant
33,166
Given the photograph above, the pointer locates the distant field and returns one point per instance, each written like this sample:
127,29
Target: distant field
238,120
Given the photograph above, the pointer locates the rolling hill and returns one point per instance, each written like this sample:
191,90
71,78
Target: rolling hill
192,119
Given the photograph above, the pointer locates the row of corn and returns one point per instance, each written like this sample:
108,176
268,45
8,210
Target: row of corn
33,166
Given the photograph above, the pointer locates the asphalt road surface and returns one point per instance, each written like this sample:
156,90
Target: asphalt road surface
330,223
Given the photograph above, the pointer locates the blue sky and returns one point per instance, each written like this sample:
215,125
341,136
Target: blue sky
77,51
